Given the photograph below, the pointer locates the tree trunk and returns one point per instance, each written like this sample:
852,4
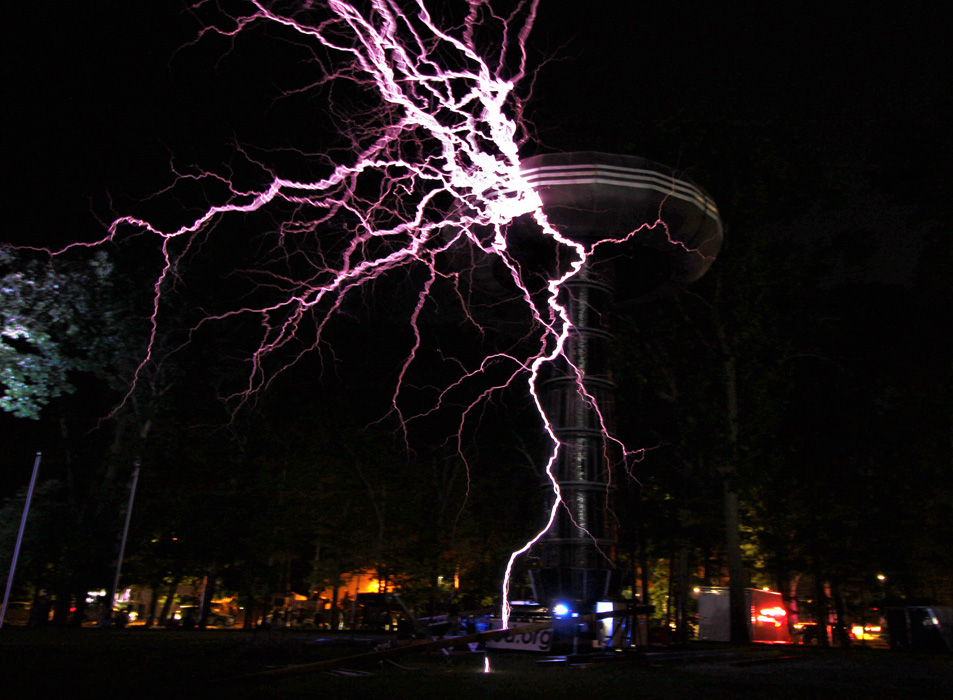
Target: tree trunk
738,607
335,590
644,561
788,588
79,614
61,606
251,612
681,597
841,628
169,600
153,604
821,613
208,592
670,592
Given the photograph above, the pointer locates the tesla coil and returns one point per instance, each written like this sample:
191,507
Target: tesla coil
676,234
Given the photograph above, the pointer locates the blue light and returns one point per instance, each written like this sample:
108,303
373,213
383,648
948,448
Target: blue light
560,610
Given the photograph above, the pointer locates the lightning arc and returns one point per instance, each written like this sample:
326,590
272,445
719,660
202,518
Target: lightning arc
431,166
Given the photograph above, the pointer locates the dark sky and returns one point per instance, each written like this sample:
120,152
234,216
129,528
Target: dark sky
99,96
858,99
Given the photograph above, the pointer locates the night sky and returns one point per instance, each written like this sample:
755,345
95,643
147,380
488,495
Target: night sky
100,99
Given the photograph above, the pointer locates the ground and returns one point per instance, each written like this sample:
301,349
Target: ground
138,663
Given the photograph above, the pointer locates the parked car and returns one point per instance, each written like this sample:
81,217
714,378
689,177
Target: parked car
811,633
188,615
18,613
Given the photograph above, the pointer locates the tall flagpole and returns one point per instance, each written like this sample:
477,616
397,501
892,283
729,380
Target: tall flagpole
125,534
16,549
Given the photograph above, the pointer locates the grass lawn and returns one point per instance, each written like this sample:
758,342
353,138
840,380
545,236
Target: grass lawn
143,664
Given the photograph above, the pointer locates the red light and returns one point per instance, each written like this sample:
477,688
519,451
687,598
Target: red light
772,615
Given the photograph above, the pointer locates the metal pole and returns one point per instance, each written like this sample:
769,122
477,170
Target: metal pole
125,533
16,549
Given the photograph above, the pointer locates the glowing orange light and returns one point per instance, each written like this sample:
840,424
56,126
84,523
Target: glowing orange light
772,616
869,632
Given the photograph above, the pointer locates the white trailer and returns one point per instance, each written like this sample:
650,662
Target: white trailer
767,617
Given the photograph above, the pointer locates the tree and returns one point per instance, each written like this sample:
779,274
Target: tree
47,316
